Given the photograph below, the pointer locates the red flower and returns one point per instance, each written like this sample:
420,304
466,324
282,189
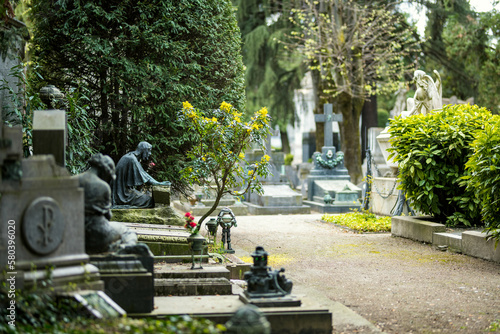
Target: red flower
152,164
188,214
192,224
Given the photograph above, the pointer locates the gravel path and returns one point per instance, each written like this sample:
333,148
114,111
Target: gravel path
399,285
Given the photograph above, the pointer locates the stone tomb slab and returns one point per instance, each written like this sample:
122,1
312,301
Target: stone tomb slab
307,318
346,196
277,199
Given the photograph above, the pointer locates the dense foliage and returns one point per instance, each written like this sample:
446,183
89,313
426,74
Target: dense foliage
139,61
483,174
39,312
217,159
25,100
432,151
272,71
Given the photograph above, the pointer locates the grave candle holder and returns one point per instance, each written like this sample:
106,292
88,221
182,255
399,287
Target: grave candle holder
211,226
226,220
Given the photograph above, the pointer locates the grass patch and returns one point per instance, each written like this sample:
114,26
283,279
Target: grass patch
273,261
360,221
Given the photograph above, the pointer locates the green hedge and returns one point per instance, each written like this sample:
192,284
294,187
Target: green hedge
432,151
483,176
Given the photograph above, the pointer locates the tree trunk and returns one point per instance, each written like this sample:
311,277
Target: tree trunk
350,136
368,120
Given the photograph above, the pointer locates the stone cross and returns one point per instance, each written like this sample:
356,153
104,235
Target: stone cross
328,118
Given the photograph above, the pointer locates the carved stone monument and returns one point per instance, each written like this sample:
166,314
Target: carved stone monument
278,197
43,207
328,184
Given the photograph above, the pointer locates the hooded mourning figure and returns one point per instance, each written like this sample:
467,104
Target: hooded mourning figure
129,176
101,235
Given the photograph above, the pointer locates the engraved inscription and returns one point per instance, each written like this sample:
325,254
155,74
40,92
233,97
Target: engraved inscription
43,226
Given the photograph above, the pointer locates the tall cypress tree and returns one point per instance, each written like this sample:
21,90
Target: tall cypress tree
140,60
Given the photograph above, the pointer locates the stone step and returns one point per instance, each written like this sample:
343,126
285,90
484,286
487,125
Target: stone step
192,286
171,272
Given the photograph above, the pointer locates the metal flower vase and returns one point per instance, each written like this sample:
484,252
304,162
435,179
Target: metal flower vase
196,242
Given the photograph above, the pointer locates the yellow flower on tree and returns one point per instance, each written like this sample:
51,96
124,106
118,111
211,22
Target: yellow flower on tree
225,106
218,156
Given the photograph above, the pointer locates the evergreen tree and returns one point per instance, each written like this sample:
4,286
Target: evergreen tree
140,60
462,46
272,71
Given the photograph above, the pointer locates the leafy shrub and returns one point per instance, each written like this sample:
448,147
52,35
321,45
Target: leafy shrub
483,174
360,221
288,159
432,151
24,100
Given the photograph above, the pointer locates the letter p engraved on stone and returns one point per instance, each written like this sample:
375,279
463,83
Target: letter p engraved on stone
43,226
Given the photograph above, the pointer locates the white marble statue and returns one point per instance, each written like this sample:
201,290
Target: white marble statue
428,95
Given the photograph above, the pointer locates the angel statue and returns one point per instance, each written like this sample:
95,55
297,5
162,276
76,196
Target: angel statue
428,95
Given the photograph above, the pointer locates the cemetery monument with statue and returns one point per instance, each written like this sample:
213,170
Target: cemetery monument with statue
385,198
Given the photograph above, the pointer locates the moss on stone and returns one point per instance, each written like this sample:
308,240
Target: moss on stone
163,216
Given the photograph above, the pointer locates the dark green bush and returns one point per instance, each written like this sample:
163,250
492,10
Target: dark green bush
432,151
483,176
138,61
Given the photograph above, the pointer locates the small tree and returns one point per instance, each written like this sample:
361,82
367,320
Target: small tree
218,157
355,49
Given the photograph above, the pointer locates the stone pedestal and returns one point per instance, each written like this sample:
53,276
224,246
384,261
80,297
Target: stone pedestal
161,195
383,141
384,195
49,134
128,280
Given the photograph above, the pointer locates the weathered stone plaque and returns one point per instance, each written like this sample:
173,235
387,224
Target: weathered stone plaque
43,226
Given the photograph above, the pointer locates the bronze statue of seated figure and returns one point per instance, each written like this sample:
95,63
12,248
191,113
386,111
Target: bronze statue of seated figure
129,176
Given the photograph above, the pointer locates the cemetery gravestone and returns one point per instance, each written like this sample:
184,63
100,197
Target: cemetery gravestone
278,197
329,189
45,207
